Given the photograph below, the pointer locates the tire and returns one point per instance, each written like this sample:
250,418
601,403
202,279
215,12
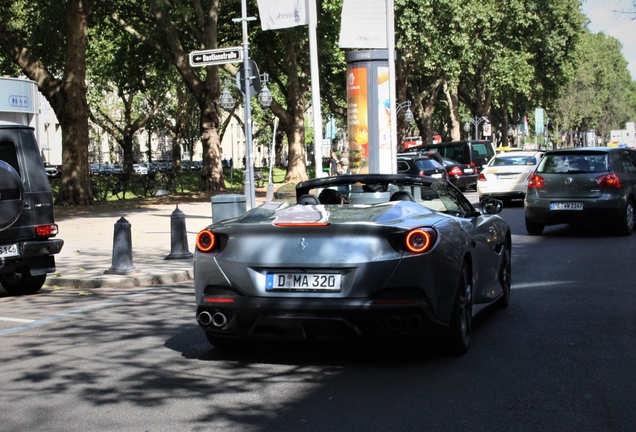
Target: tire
534,228
12,195
462,319
626,221
22,283
505,276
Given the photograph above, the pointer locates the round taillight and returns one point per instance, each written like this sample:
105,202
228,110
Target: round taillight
205,240
419,240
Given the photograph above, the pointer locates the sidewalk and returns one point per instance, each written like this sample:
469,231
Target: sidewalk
88,247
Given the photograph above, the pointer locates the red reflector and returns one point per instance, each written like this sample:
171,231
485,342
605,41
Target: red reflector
394,302
46,230
218,299
303,224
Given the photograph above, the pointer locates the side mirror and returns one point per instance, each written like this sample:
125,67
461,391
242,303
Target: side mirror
491,206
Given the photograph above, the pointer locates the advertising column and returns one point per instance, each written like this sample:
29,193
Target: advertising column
368,121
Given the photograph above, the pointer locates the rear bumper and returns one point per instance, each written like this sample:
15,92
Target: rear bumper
317,319
463,181
594,211
38,255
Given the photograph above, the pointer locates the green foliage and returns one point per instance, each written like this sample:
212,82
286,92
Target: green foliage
602,94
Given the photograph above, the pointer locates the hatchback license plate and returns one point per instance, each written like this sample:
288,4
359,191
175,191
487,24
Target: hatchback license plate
303,281
9,250
566,206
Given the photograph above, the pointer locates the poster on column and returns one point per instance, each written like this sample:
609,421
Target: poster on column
363,24
384,121
358,120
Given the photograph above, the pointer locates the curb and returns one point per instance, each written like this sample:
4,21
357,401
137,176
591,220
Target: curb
140,279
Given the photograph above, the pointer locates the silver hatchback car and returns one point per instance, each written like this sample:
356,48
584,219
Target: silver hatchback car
583,185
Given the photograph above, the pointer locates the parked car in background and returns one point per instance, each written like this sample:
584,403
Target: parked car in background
583,185
506,175
150,166
140,169
118,169
472,152
463,176
388,257
421,165
52,171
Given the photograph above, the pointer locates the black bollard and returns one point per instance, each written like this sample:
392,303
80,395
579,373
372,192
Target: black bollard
178,236
122,249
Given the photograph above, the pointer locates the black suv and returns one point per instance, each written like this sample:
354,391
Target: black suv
26,213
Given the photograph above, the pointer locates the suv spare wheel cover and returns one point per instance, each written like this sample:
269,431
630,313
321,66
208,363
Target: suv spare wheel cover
11,195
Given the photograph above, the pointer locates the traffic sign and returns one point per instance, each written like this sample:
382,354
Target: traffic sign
216,56
255,79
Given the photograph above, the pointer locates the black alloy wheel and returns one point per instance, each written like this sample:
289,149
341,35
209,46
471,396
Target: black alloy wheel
626,222
505,275
22,282
462,319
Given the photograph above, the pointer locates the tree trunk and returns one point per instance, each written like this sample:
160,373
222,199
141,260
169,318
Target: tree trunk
73,112
67,97
212,170
450,92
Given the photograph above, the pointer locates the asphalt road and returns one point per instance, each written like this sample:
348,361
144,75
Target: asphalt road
560,358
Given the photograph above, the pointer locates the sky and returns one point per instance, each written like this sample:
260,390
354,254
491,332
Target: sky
604,17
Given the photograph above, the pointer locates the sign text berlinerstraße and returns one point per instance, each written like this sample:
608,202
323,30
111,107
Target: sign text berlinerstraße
216,57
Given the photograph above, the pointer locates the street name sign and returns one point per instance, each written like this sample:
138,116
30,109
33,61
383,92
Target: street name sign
216,56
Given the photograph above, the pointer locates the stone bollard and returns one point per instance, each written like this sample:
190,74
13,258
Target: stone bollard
122,249
178,236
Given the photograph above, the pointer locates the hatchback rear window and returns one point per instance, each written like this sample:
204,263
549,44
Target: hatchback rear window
573,163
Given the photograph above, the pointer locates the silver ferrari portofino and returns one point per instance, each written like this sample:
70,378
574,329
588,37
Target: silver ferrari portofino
389,257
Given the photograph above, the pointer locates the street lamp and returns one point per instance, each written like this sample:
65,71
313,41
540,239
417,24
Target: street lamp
476,121
226,100
408,114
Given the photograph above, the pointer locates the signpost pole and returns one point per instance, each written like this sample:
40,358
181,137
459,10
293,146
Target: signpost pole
249,167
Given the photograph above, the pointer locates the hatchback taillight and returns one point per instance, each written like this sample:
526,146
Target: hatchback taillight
608,181
481,177
536,182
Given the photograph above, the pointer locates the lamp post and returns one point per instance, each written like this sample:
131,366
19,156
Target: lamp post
476,121
408,114
226,100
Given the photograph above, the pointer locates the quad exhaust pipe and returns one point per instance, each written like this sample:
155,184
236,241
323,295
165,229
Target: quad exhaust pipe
218,319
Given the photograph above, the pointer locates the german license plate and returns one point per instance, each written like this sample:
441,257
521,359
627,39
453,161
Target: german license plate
566,206
303,281
436,175
507,176
469,171
9,250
